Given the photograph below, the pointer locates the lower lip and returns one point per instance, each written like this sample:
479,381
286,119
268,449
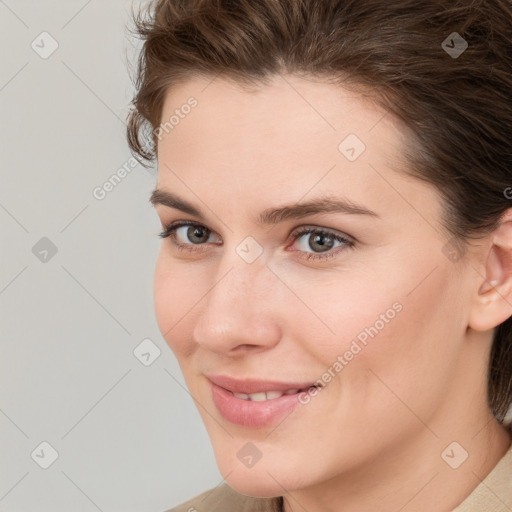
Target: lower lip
252,414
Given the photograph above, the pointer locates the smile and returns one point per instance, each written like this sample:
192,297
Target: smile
269,395
255,403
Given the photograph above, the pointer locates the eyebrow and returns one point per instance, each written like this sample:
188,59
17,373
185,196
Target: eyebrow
326,204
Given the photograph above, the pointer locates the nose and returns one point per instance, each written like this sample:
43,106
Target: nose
238,313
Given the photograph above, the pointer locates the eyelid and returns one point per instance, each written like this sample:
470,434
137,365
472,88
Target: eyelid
308,228
169,230
299,230
320,257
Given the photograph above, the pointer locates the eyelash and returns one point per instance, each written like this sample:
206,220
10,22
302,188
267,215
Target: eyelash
170,232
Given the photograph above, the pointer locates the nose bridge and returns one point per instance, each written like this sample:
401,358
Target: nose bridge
235,309
239,287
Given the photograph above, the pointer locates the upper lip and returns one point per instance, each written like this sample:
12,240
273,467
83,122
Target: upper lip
255,385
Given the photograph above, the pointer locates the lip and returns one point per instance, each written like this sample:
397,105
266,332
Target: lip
252,414
255,385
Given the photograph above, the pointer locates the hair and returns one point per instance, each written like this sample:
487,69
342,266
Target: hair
457,107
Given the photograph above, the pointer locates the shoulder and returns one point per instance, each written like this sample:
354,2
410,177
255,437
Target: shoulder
225,499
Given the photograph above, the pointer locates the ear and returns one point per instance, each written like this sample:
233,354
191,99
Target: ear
493,303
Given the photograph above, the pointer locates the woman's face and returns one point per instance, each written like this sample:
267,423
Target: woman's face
378,313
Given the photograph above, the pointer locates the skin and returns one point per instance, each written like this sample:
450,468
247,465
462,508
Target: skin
372,439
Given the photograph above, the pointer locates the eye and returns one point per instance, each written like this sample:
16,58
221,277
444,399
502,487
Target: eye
322,243
191,232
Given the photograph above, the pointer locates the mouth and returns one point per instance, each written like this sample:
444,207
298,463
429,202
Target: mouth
262,396
255,403
255,388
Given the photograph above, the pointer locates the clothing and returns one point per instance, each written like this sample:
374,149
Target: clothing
225,499
493,494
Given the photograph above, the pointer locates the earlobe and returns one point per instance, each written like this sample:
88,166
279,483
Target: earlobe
492,304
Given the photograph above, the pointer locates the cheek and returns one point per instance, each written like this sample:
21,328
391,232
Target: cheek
347,313
172,299
388,324
409,346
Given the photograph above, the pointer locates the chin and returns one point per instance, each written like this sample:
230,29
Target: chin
265,479
257,485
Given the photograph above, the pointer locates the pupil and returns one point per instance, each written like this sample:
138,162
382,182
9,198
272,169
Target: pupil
194,231
320,240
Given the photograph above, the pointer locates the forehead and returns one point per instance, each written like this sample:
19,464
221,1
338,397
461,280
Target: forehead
286,106
292,122
287,139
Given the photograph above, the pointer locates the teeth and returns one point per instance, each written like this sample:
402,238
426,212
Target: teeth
257,397
241,395
273,394
262,396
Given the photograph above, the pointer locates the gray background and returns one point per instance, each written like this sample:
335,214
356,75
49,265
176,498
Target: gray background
127,434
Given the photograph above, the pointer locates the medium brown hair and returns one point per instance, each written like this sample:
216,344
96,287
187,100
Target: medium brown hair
458,107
